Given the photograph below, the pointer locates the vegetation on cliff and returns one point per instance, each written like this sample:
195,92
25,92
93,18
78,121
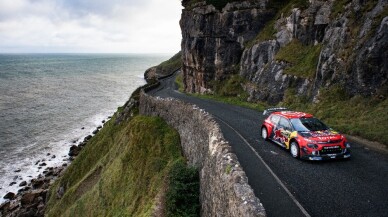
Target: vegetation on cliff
171,64
322,57
302,59
164,68
124,170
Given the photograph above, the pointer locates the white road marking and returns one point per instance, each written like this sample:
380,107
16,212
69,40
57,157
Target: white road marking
270,170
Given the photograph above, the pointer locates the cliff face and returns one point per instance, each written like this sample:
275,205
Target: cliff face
213,41
304,47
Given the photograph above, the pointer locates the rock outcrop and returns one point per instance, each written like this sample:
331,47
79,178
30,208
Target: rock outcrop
348,44
213,41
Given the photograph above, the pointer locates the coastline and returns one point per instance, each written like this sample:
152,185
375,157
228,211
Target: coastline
35,166
31,198
31,193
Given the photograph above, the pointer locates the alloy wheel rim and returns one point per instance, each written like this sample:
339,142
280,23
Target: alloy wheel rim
264,133
294,150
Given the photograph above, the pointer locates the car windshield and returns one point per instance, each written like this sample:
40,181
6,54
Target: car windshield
308,124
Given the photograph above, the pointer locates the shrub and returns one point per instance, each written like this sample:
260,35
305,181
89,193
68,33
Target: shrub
182,198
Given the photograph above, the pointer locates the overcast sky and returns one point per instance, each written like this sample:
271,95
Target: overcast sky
90,26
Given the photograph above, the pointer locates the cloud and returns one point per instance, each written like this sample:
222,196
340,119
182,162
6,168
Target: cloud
131,26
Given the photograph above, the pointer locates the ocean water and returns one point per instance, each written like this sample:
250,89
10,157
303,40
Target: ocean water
46,100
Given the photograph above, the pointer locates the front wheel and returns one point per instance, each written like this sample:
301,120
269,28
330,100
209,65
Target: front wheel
264,133
294,149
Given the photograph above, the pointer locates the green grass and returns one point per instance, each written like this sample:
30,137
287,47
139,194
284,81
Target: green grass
231,86
339,6
183,193
303,59
120,171
357,116
229,91
179,82
170,65
279,8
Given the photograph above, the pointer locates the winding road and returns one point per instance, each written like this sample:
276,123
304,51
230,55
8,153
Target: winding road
290,187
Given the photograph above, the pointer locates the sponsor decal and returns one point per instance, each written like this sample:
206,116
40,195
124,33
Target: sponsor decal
331,147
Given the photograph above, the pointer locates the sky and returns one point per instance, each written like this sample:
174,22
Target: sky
90,26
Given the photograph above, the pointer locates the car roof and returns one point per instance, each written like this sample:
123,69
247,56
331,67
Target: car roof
293,114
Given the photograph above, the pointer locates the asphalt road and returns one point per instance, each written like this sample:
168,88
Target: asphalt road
291,187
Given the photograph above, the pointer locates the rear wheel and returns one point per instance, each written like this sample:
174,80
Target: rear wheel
264,133
294,149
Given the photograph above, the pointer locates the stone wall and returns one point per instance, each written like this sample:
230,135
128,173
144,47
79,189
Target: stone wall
224,185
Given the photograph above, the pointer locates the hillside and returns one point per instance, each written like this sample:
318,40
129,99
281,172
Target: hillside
323,57
134,168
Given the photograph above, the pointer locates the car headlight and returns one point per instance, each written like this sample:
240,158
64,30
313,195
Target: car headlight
347,144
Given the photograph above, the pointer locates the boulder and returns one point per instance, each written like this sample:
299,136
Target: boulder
82,144
28,199
74,150
95,131
43,164
5,206
9,196
49,173
27,188
23,183
30,212
87,138
37,183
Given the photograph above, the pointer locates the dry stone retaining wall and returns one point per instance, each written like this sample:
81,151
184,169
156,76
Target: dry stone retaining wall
224,185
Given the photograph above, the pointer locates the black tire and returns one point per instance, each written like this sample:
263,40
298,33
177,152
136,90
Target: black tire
264,133
295,149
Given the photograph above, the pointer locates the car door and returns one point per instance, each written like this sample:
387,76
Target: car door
283,131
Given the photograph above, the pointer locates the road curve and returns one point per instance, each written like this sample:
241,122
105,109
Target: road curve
290,187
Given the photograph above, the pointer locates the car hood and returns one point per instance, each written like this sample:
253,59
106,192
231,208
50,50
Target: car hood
322,136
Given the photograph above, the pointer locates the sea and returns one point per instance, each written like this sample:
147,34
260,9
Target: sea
49,102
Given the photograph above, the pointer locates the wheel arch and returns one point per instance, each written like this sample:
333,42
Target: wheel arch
292,140
268,127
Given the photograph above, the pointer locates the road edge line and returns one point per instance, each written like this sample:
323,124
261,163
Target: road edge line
304,211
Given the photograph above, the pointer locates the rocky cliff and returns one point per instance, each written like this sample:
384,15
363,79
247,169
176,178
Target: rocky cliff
299,45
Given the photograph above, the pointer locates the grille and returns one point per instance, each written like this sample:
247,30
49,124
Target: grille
331,150
331,141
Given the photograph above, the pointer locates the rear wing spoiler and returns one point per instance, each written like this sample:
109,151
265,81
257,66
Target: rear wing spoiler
278,109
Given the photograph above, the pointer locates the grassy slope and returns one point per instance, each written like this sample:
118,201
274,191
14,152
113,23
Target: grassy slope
228,91
303,59
170,65
119,172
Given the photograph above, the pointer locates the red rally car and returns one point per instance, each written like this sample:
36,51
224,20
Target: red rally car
305,136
